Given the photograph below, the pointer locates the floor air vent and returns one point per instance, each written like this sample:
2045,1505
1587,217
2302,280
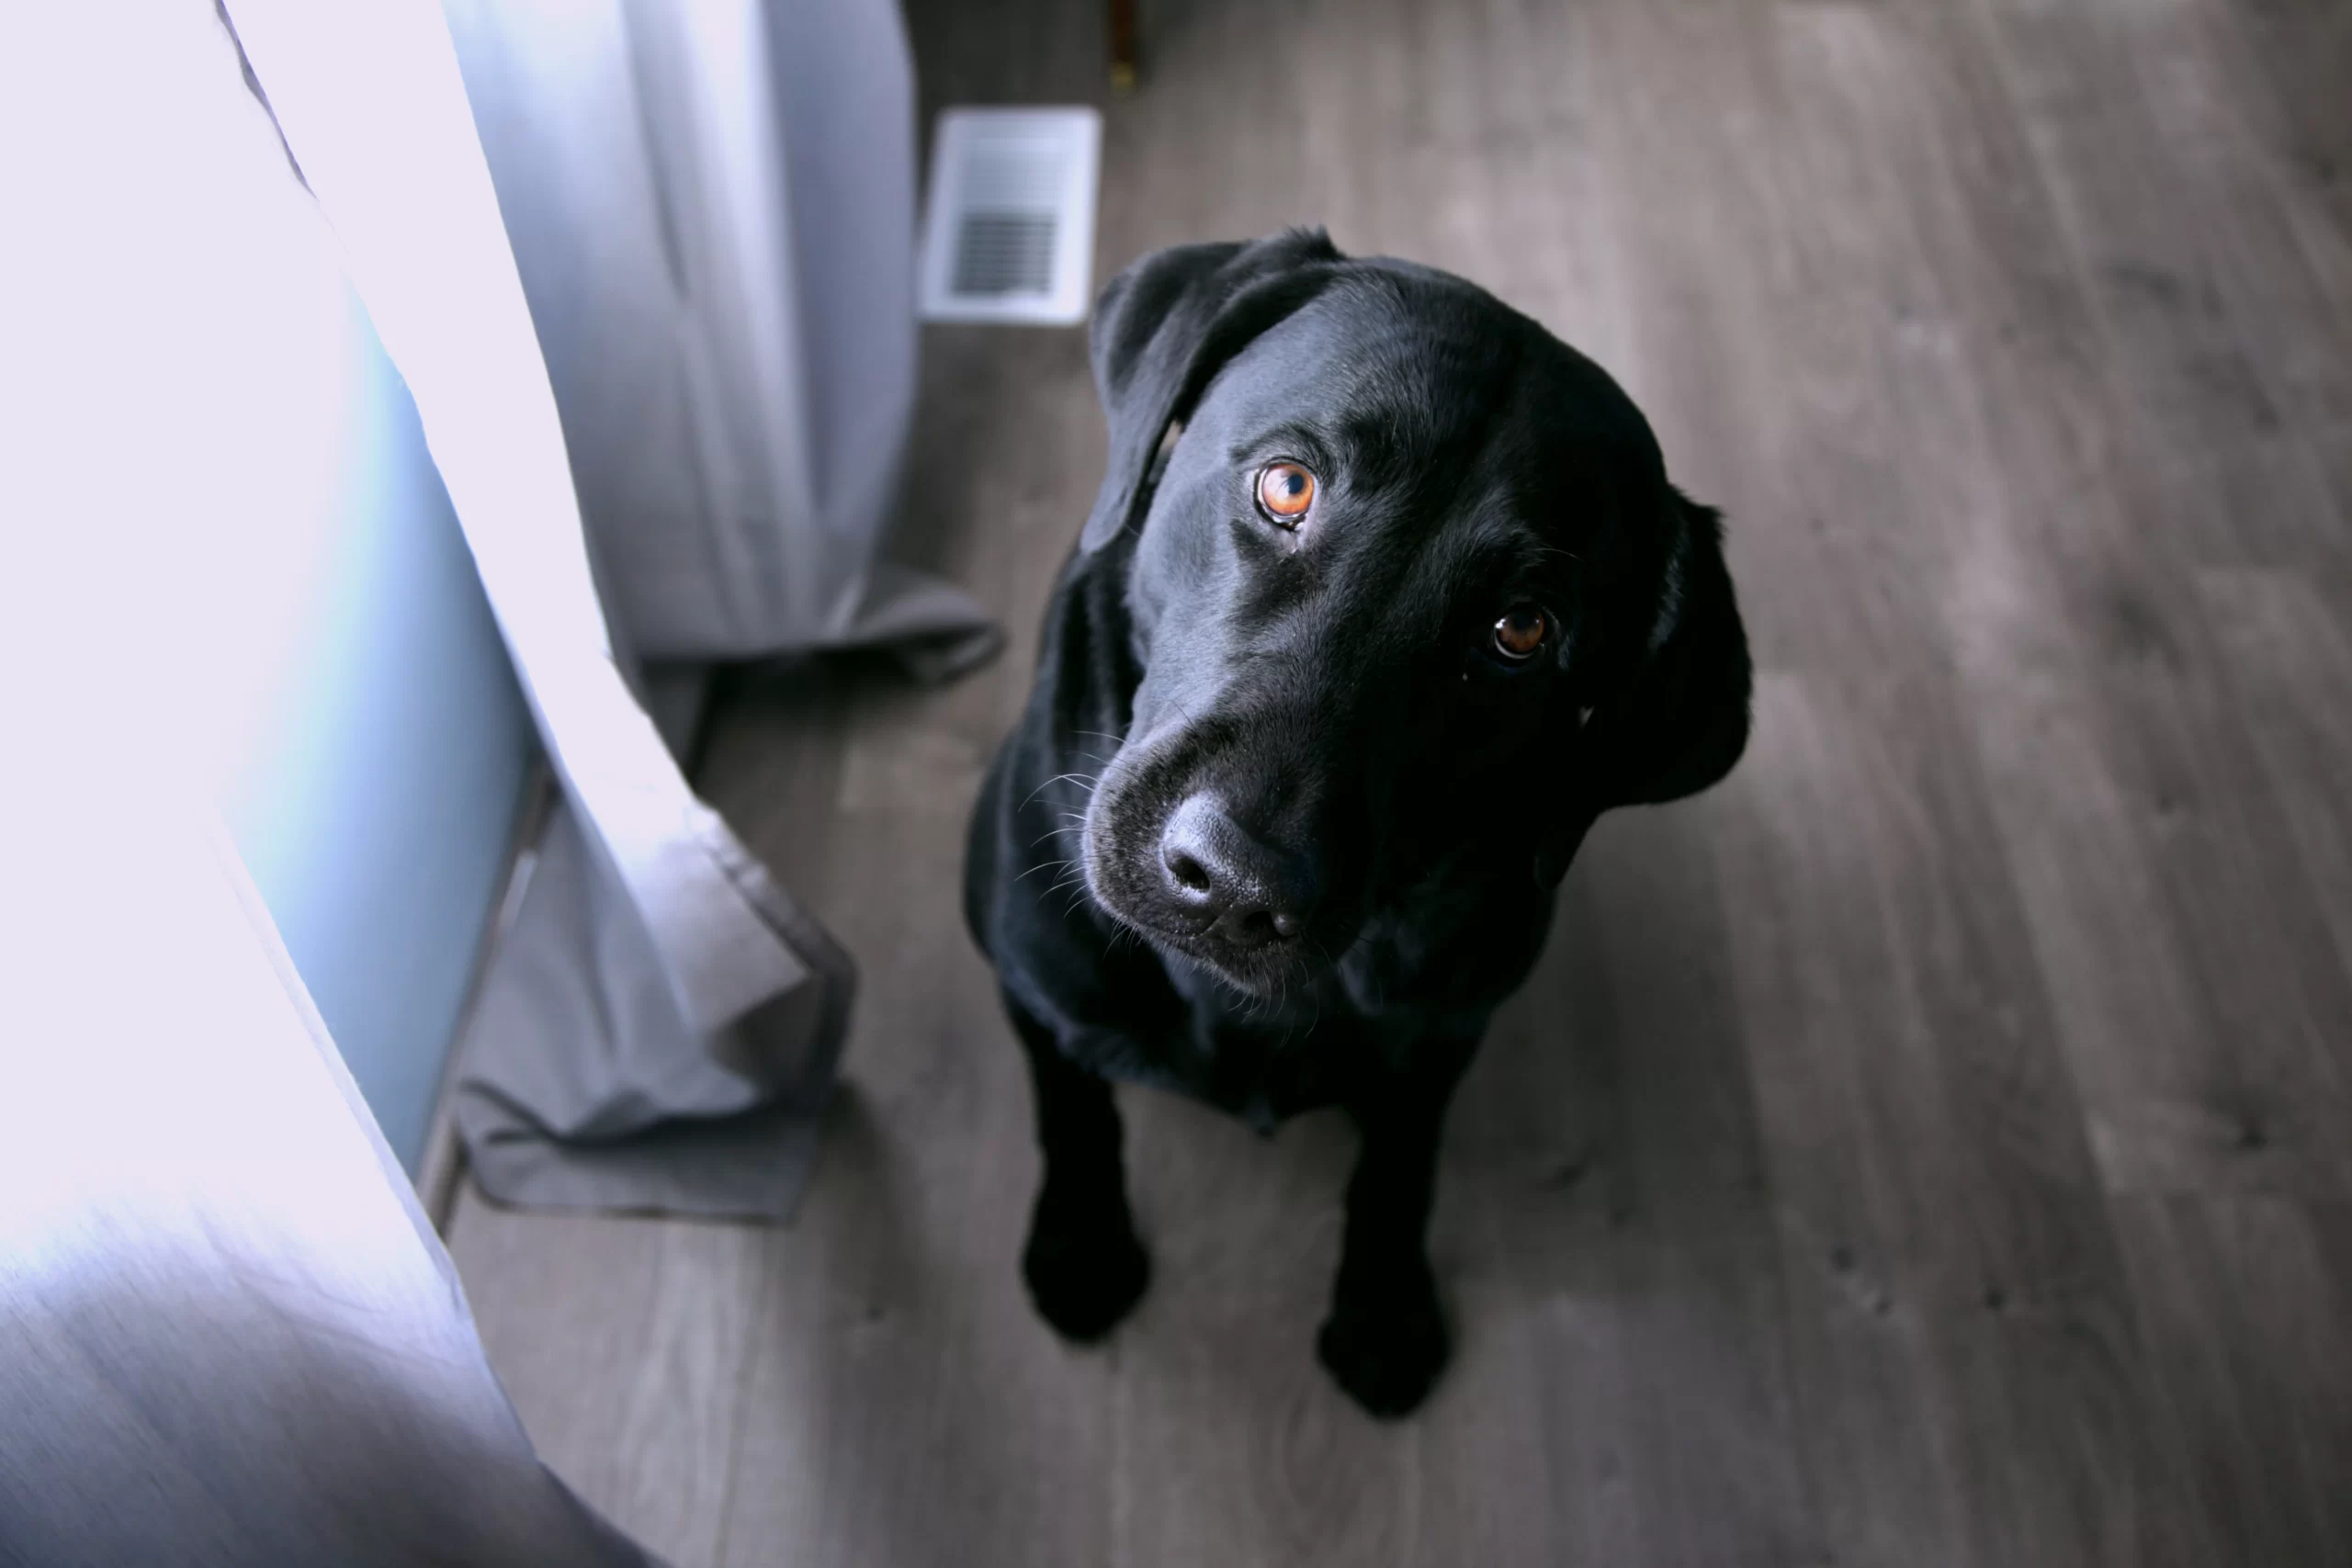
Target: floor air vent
1010,233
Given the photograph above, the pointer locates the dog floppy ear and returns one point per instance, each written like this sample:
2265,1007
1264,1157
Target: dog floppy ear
1681,722
1168,324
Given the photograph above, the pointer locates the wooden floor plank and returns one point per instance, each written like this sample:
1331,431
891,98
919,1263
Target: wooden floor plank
2242,1097
2030,1409
624,1345
2247,1312
904,1406
1232,1446
2289,664
1822,1001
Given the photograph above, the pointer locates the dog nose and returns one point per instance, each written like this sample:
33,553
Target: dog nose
1251,893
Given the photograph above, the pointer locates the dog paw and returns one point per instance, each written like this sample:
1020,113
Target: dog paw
1385,1343
1084,1267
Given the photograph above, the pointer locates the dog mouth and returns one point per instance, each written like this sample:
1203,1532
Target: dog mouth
1263,971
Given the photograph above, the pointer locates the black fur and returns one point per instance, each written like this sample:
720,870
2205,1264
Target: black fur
1375,804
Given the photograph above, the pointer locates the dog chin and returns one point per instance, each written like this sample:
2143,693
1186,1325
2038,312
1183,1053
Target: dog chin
1261,971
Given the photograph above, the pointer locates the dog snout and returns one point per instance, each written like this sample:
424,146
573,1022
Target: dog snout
1240,887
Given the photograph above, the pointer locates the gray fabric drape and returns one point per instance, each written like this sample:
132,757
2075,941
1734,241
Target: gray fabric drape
228,1337
661,1022
711,204
735,1124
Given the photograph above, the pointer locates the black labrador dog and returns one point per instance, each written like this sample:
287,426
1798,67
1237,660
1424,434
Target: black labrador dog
1385,598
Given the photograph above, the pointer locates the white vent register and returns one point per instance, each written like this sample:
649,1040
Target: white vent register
1009,233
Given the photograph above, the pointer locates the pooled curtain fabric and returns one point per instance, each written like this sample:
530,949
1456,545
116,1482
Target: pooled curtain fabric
661,1022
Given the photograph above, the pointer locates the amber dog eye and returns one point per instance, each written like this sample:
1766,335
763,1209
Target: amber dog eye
1519,635
1286,491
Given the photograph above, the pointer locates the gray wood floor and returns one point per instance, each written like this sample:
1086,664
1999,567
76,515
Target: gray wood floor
1934,1146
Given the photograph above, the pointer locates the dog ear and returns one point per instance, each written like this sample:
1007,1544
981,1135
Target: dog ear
1168,324
1681,722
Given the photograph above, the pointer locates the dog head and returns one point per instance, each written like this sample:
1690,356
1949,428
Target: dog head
1407,583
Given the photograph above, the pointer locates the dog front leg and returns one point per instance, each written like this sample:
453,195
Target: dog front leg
1384,1341
1083,1265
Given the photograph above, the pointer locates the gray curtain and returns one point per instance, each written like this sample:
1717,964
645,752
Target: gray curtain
227,1336
711,204
704,268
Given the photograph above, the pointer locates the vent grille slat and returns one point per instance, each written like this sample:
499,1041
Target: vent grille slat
1005,252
